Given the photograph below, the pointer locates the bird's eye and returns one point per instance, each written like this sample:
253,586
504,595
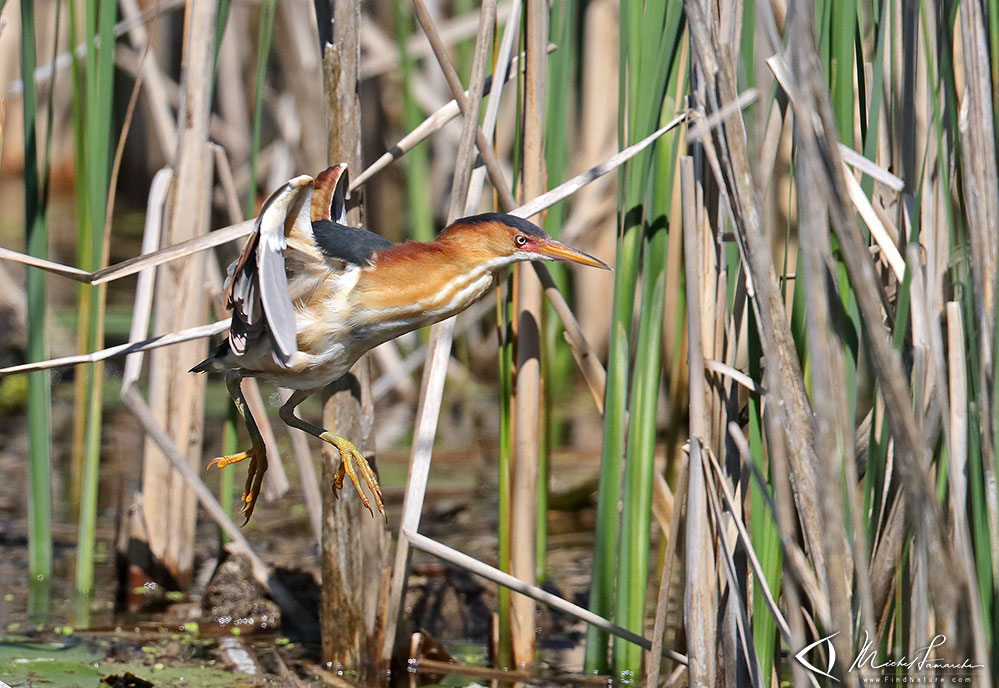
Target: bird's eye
520,240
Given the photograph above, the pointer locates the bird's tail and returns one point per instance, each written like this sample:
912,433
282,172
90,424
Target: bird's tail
208,365
204,366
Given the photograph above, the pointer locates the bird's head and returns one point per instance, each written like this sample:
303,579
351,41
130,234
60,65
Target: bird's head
504,239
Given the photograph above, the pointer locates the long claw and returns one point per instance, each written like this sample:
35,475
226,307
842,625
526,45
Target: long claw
369,477
352,474
353,462
248,498
229,459
254,476
338,479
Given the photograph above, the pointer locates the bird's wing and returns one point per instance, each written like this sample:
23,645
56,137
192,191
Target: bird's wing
337,244
256,287
301,238
329,200
343,245
326,246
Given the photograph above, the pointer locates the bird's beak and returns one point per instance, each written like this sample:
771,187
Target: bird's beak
555,250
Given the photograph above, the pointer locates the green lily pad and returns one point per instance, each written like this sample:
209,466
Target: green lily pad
56,673
20,650
74,664
184,677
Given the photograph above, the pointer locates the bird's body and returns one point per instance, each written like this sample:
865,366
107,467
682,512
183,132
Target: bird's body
344,309
311,295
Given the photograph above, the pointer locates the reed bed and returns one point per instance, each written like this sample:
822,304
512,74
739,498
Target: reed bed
794,368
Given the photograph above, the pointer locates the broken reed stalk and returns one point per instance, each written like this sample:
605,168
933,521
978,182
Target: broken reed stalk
466,562
504,337
439,344
177,400
699,599
556,355
783,376
354,545
527,390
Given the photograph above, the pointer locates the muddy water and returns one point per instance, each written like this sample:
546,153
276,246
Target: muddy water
134,620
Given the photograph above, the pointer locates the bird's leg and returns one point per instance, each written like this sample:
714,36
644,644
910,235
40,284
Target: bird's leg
257,453
352,461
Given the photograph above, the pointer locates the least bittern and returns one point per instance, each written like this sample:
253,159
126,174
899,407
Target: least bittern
310,295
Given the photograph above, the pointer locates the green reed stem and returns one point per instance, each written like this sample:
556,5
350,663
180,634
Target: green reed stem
649,43
222,16
633,551
419,197
39,401
504,305
100,17
763,529
615,412
557,364
266,30
230,445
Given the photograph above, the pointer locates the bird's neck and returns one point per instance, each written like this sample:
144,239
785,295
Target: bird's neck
420,283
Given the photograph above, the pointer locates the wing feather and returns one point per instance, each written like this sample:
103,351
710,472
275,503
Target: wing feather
329,200
256,288
276,221
300,239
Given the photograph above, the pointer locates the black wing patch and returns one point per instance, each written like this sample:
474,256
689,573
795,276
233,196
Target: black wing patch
345,243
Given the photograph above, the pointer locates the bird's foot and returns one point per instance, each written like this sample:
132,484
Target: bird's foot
254,476
353,462
229,459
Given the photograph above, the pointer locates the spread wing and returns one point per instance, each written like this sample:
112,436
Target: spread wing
329,246
329,199
339,243
256,286
301,238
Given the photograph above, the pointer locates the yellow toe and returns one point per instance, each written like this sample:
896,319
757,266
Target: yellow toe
353,462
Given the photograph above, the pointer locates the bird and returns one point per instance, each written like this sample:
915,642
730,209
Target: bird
309,295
